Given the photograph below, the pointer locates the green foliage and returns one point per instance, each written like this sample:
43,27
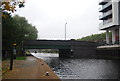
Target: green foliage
25,30
16,29
95,37
7,32
21,58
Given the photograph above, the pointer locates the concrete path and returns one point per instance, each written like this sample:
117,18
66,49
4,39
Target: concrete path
32,68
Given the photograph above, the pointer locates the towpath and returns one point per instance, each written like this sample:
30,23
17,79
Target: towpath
31,68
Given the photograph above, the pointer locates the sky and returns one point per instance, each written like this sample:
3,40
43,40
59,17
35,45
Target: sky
50,16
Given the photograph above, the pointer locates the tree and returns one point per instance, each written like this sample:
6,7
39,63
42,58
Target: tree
10,6
15,30
99,38
7,7
7,34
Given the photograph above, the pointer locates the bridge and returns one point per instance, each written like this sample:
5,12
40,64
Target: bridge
67,48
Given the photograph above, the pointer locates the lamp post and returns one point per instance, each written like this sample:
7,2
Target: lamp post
14,50
13,55
65,30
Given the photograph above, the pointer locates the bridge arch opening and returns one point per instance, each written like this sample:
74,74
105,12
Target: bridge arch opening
62,53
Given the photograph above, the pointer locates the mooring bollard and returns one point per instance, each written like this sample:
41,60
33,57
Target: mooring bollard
47,74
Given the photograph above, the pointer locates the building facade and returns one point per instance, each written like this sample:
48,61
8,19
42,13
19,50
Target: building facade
110,20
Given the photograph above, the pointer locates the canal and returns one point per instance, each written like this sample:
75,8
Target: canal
80,68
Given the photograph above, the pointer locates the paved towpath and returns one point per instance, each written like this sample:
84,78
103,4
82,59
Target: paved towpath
31,68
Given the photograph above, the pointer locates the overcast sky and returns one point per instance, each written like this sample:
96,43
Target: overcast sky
50,16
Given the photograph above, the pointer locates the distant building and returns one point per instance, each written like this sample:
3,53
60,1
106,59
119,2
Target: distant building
110,19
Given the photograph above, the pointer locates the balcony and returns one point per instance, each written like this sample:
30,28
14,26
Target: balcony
102,2
106,15
105,24
105,7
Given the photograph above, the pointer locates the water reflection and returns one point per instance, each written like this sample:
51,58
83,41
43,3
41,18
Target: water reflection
81,68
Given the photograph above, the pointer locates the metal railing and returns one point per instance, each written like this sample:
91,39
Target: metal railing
105,14
102,1
105,22
105,6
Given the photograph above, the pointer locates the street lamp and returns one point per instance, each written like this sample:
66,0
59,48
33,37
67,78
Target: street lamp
13,56
65,30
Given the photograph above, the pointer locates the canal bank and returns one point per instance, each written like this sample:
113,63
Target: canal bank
31,68
108,51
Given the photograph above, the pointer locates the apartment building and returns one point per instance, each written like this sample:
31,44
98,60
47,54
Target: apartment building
110,20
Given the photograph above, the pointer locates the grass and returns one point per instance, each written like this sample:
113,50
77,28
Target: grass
21,58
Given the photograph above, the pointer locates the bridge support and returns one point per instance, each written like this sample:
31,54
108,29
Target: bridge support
84,51
64,53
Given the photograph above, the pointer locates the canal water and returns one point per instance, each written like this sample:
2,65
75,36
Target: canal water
80,68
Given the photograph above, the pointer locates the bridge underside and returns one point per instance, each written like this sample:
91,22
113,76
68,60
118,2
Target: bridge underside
64,51
48,47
